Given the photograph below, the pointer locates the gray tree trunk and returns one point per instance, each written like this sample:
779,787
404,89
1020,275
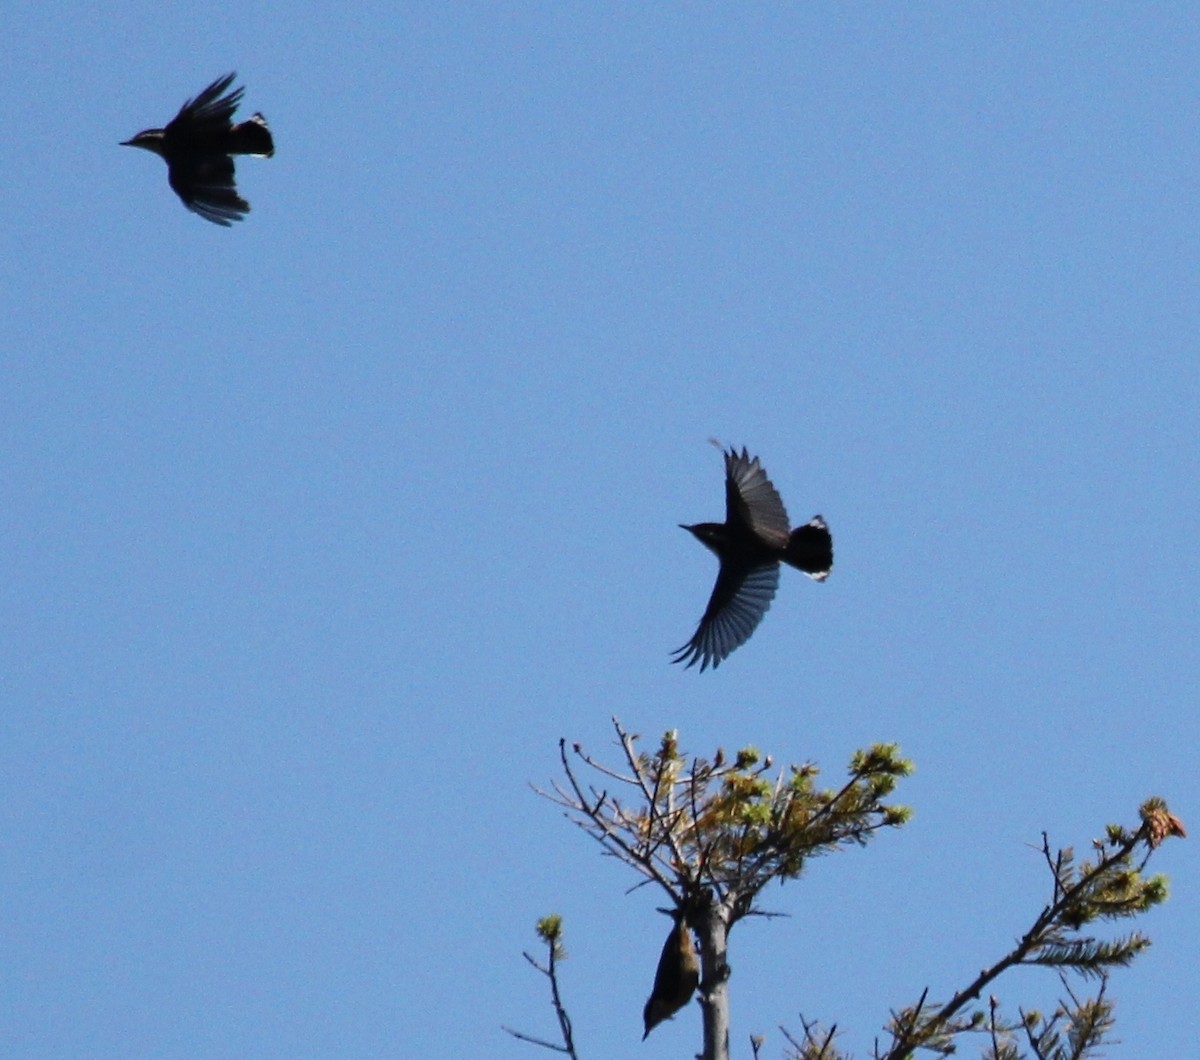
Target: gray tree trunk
713,928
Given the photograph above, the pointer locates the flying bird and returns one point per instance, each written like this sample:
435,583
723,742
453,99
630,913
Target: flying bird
198,146
750,545
676,978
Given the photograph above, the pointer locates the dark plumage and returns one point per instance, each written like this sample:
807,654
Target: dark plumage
676,978
750,544
198,146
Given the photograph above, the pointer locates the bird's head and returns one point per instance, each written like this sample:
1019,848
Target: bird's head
711,535
148,140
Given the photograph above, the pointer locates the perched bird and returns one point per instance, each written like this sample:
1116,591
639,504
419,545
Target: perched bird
750,544
198,145
676,978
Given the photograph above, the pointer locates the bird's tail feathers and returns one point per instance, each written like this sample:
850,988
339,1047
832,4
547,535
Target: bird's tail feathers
810,549
252,137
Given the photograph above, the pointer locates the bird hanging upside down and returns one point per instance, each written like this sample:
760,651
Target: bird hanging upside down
676,978
198,145
750,544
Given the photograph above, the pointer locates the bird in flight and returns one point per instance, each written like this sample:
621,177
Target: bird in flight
198,145
750,544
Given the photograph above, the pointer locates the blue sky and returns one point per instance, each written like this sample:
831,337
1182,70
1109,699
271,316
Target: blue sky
322,530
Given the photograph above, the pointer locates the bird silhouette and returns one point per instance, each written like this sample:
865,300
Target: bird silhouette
754,539
676,978
198,145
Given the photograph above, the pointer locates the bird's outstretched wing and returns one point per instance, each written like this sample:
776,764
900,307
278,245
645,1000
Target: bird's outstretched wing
739,600
211,109
205,184
751,501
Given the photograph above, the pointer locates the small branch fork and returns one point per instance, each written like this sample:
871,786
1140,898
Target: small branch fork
551,931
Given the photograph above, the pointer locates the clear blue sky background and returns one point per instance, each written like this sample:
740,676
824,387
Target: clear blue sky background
319,532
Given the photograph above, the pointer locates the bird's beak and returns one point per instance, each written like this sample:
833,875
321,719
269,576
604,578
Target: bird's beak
126,143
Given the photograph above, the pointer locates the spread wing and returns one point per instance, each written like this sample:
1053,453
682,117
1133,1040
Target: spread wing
205,184
740,598
751,501
212,109
199,168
